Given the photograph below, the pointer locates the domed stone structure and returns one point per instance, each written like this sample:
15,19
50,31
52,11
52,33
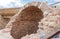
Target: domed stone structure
26,22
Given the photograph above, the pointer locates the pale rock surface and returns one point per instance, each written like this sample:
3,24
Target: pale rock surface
5,34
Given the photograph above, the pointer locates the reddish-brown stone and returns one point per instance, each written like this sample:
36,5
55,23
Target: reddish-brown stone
26,22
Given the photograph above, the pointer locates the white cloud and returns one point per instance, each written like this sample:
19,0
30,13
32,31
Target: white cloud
57,0
5,2
11,3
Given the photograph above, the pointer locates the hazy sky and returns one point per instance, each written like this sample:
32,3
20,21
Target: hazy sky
19,3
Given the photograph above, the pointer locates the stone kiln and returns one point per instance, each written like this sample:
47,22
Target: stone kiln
26,22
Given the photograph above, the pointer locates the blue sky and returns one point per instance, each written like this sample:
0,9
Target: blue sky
19,3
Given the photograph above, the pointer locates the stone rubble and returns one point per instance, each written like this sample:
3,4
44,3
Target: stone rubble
3,22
